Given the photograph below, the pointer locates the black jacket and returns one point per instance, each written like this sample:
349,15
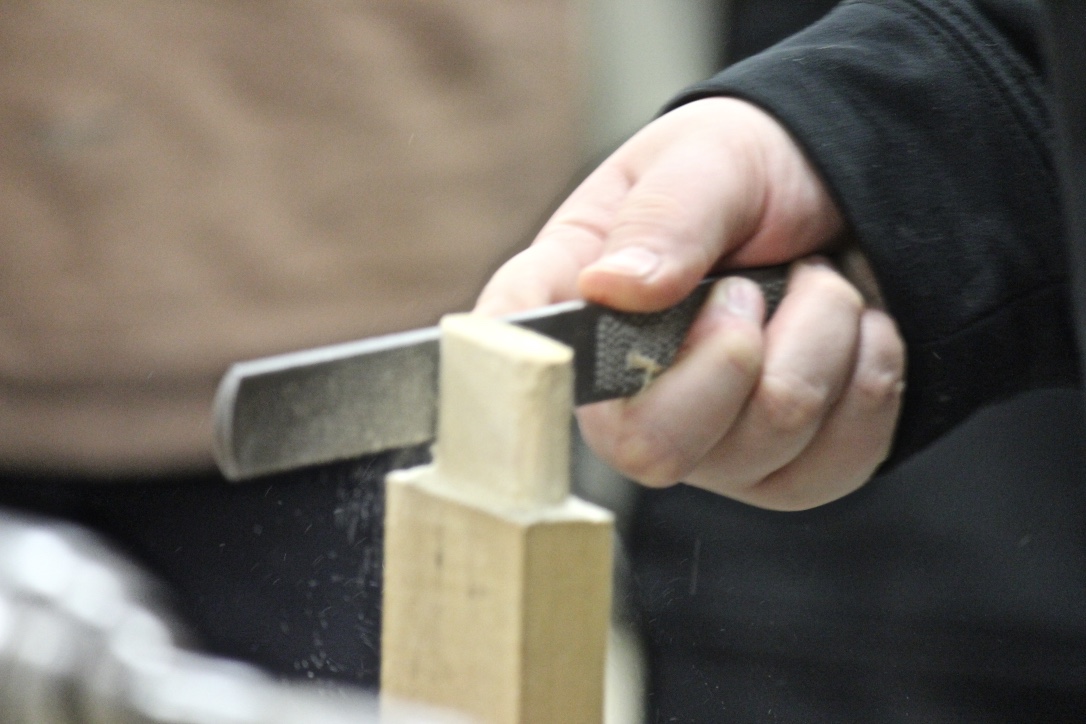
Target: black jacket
930,121
952,588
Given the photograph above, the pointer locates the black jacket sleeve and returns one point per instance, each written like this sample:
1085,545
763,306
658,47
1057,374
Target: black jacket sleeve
929,122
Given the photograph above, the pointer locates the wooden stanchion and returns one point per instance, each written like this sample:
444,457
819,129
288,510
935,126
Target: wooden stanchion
497,582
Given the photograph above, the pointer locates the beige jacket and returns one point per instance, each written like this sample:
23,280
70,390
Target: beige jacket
188,183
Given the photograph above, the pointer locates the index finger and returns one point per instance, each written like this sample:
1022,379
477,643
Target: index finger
547,271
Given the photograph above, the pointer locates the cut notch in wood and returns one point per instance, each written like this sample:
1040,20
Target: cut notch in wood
497,582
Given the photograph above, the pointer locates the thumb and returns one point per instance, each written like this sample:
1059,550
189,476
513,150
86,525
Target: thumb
692,202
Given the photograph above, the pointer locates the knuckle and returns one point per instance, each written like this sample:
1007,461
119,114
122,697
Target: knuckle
648,457
741,351
573,230
826,283
735,346
625,437
835,286
876,388
879,378
790,403
649,210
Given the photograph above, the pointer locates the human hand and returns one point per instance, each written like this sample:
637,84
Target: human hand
786,417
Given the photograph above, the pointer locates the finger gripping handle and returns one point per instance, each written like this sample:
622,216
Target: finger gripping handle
632,349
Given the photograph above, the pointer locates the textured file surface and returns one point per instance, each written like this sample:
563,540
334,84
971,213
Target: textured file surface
344,401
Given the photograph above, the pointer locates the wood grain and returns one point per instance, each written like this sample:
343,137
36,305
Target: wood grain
497,582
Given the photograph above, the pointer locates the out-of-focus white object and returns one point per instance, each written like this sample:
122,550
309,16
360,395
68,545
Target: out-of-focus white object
85,638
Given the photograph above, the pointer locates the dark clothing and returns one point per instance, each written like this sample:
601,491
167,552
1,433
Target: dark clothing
930,124
283,572
1067,54
951,588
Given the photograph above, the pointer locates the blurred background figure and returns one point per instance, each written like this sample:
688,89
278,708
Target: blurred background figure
184,185
190,184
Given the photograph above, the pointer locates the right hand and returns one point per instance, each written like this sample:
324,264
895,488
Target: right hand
786,417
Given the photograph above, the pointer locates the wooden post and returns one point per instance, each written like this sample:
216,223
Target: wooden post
497,582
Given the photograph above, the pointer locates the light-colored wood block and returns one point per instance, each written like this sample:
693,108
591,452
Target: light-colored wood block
506,396
497,584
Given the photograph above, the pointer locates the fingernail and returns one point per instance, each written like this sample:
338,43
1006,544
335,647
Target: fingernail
633,261
739,296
